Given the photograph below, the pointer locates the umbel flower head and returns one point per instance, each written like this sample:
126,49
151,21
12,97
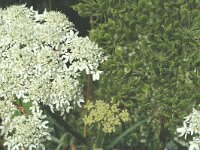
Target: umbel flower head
191,126
41,57
105,115
22,132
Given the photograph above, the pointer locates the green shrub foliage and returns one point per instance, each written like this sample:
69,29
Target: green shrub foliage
154,62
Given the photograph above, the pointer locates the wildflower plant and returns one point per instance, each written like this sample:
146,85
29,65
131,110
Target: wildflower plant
41,57
191,126
108,117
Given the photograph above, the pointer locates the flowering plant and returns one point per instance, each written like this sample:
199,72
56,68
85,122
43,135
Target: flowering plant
106,116
191,126
41,57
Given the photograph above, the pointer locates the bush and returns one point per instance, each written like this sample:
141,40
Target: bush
153,68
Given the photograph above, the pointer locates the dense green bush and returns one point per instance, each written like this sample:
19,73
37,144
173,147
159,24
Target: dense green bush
154,63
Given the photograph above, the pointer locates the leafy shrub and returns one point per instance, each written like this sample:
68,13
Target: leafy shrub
153,67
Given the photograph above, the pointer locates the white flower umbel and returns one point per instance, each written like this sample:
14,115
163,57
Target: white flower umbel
26,132
41,57
6,109
191,126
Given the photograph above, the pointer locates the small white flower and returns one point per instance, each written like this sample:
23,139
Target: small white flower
96,75
191,125
183,130
194,145
79,102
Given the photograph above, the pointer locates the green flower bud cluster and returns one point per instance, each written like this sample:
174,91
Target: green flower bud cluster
105,115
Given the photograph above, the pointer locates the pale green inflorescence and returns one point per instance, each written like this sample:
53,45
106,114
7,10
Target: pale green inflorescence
41,57
191,126
105,115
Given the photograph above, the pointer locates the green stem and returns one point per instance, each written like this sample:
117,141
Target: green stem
98,139
66,126
50,7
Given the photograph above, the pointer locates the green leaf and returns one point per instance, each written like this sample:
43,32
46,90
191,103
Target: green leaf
125,133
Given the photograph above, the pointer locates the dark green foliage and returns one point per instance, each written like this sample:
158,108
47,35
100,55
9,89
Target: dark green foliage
154,62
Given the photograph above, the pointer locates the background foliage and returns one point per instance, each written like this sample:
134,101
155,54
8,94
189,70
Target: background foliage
154,62
153,68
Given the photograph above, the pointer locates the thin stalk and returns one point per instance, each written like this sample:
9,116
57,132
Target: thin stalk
50,6
98,138
89,91
163,133
65,125
85,131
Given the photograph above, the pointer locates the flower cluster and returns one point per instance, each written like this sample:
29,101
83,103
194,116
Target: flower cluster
41,57
105,115
191,126
22,132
